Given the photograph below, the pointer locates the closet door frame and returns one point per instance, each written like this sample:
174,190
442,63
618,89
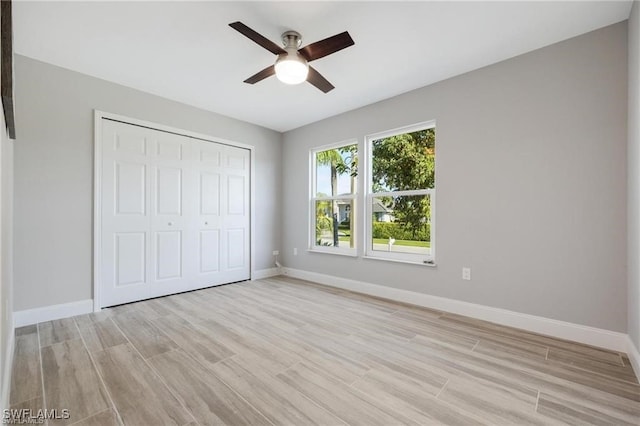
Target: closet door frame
97,188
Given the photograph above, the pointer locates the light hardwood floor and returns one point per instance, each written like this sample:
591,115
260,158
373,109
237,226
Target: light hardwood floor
286,352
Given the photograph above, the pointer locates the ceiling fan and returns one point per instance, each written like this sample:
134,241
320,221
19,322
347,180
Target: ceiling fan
292,65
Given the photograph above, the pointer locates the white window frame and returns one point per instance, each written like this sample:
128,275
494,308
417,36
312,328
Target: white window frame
346,251
370,195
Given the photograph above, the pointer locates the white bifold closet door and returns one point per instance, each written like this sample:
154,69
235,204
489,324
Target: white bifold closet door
175,213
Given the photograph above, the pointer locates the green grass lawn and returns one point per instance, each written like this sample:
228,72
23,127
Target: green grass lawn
408,243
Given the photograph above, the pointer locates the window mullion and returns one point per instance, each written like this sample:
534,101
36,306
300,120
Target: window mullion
403,193
337,197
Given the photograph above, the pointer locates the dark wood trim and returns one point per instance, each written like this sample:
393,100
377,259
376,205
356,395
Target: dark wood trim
6,67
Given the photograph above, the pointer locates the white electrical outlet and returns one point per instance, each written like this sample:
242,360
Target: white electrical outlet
466,274
295,251
276,252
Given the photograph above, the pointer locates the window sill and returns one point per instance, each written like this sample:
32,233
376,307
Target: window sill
337,253
409,262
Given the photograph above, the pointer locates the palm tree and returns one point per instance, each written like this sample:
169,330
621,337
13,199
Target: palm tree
349,164
332,158
341,161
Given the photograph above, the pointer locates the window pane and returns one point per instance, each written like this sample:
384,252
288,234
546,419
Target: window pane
334,227
336,171
404,162
401,224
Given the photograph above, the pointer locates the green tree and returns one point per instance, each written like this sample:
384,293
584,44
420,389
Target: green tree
349,165
323,221
341,161
406,162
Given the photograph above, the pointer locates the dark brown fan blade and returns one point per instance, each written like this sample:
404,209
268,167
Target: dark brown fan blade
257,38
259,76
319,81
325,47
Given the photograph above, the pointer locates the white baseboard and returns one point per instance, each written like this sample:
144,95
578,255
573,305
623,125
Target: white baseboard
7,369
265,273
634,357
611,340
48,313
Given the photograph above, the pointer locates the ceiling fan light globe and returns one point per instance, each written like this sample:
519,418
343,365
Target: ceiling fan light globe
291,69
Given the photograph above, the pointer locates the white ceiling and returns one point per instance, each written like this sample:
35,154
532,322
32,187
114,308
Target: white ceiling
188,53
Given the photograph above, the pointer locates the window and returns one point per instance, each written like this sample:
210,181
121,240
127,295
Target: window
333,198
399,196
400,203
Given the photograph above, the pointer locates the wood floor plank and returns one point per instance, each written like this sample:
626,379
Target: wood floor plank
260,313
506,342
544,369
209,399
282,318
57,331
155,308
104,418
396,367
147,309
449,338
71,381
26,330
199,345
498,405
23,411
430,385
413,398
340,366
605,367
182,306
33,405
278,402
352,407
26,379
501,330
231,321
343,350
492,370
139,395
265,354
578,375
487,370
101,335
148,339
497,348
93,318
577,414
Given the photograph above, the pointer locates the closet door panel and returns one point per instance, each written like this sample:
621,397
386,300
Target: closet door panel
174,213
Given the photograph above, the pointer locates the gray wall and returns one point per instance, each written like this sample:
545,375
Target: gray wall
634,176
6,259
54,175
531,183
6,256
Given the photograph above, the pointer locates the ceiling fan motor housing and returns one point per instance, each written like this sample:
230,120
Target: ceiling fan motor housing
291,39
